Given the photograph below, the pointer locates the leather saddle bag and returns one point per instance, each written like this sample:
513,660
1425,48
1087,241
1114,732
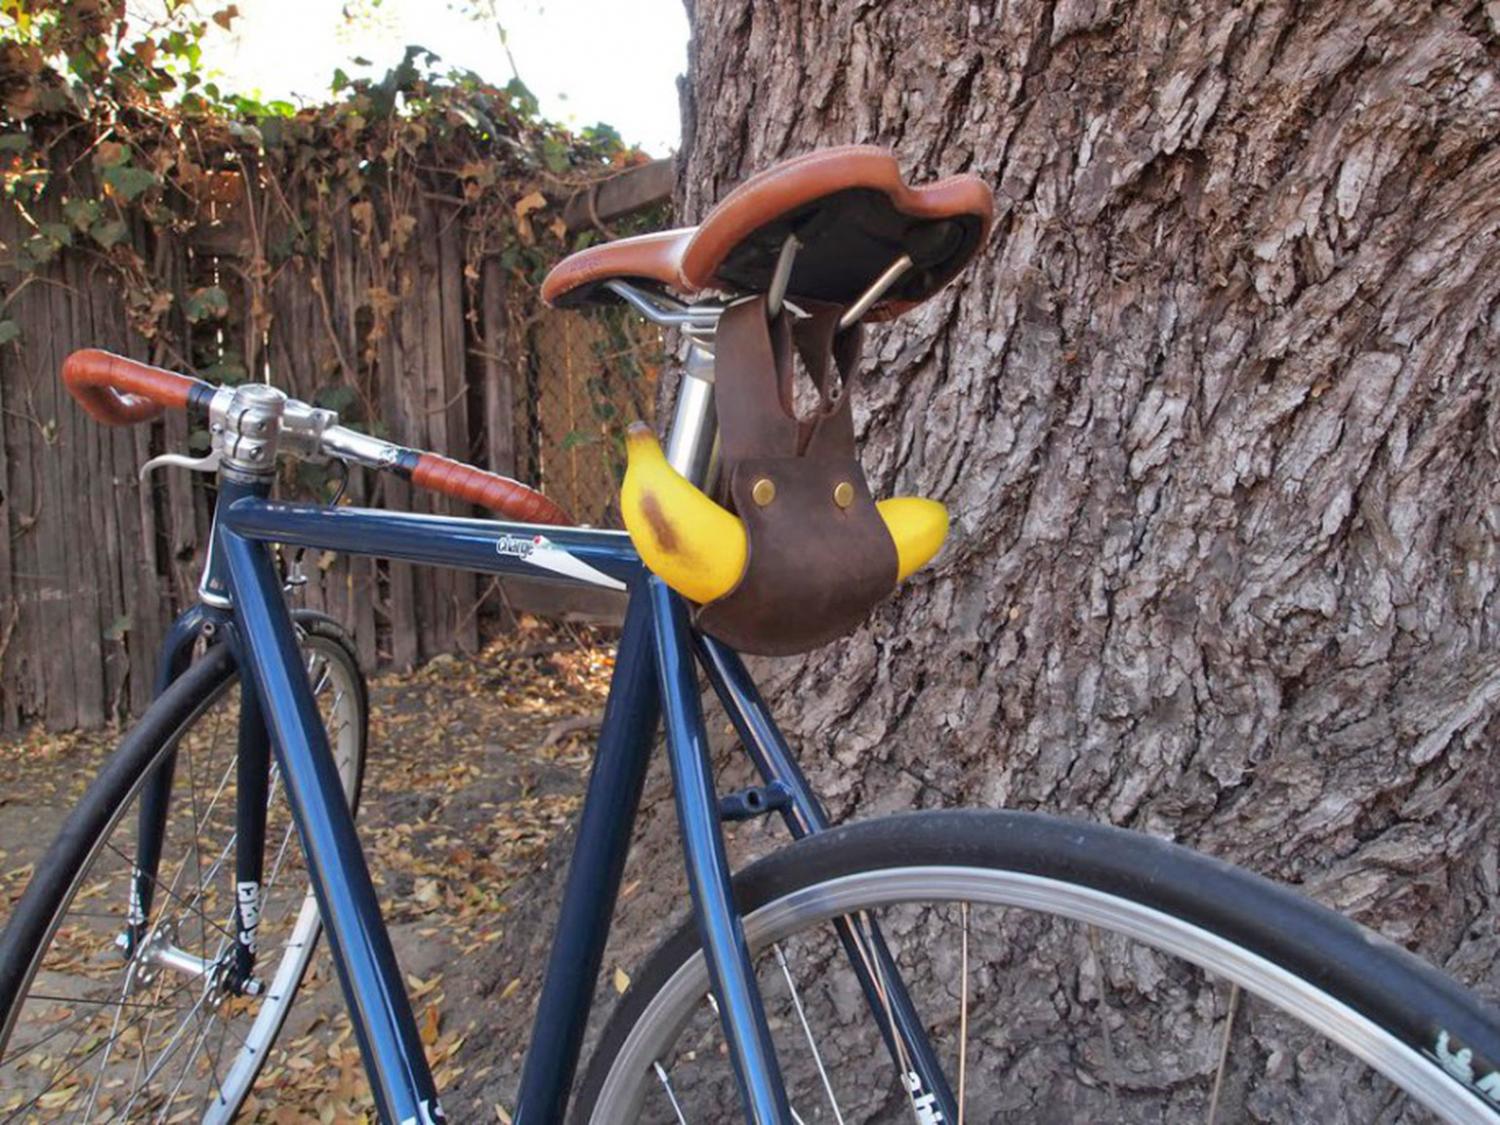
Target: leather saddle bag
820,557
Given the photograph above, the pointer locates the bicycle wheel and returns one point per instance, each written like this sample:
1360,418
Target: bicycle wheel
88,1034
1066,972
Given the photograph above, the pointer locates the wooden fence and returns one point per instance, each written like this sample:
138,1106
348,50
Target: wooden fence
94,563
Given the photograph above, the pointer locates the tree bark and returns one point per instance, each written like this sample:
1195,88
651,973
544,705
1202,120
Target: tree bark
1214,415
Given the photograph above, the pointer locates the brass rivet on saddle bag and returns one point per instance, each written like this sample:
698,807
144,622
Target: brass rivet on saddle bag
812,572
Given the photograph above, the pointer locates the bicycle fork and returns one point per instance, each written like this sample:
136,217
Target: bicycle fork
152,945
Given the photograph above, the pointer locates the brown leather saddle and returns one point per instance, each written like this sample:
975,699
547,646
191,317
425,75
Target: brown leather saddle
834,236
851,212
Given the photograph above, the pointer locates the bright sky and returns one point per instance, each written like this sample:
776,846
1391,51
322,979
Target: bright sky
586,60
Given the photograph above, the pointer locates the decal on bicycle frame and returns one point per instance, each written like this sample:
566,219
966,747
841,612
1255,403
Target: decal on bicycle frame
428,1113
923,1104
539,551
1460,1064
248,896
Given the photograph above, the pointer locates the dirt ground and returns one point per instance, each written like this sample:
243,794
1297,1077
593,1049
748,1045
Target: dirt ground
476,769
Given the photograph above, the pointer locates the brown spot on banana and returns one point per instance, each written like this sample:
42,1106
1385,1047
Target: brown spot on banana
661,527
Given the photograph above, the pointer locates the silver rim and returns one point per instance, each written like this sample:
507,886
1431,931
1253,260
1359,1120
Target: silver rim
338,692
636,1065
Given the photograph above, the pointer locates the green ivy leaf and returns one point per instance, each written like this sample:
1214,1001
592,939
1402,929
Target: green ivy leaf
9,330
521,95
555,155
605,135
338,398
248,133
82,213
230,371
205,303
59,234
39,249
109,232
129,181
118,628
14,142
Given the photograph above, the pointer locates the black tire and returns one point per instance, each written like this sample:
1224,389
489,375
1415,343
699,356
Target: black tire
1353,969
58,875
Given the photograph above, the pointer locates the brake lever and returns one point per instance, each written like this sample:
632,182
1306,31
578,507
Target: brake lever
209,464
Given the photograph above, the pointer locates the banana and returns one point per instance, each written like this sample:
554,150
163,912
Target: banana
683,537
918,527
699,549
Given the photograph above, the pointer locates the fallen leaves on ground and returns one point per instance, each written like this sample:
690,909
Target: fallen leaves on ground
463,792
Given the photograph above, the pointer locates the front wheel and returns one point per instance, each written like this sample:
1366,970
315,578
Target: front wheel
92,1029
1065,971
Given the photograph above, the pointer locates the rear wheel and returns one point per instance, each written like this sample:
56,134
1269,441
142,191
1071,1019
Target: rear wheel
88,1033
1066,972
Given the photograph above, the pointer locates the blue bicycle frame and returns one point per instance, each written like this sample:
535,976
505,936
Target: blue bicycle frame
655,679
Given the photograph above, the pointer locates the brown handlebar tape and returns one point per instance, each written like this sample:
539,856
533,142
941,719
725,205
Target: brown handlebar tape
120,391
507,497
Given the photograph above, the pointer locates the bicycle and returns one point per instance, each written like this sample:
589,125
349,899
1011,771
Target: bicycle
163,978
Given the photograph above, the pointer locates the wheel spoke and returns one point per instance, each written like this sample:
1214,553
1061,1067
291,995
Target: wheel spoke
149,1014
786,972
206,1023
1234,1003
114,1031
963,1011
185,903
1111,1064
666,1084
185,750
164,1056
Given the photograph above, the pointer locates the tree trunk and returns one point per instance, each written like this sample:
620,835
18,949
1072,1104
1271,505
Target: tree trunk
1214,415
1214,418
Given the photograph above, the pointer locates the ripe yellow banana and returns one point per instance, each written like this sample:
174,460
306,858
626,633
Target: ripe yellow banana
699,549
918,527
684,538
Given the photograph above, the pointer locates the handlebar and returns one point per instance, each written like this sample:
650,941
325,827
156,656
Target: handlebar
119,391
489,490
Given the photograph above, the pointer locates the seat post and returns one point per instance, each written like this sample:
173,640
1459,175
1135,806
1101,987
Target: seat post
693,442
